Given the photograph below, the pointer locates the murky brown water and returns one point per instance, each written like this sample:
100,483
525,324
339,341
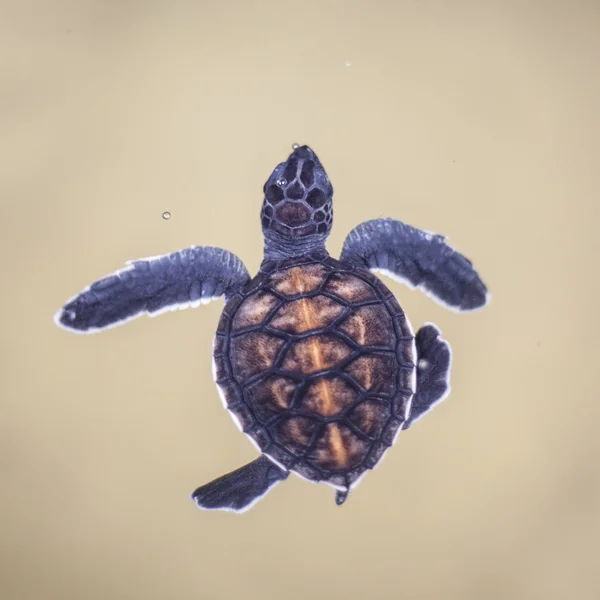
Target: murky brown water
477,120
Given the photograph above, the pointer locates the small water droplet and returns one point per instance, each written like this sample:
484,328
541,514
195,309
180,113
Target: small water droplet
348,63
166,215
282,182
423,364
295,146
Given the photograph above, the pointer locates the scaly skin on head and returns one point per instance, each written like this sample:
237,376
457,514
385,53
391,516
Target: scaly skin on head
297,211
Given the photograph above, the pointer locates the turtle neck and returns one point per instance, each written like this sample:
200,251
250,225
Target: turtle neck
278,247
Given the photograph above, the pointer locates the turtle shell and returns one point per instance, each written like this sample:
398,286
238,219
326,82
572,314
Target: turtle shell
315,361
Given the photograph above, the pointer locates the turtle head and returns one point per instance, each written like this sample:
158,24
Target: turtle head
297,210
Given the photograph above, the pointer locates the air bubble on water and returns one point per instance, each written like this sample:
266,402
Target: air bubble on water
295,146
282,182
166,215
348,63
423,364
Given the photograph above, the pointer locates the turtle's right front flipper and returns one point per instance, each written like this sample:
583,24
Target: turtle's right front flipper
239,490
433,372
153,285
418,258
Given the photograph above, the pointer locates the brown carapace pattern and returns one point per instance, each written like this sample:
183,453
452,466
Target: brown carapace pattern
315,358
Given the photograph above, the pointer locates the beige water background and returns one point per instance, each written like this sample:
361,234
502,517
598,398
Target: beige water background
478,120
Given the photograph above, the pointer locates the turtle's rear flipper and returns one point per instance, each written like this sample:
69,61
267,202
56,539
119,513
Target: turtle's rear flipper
419,259
434,359
239,490
174,281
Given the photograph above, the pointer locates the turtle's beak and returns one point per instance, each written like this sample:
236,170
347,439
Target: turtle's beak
305,153
303,168
311,171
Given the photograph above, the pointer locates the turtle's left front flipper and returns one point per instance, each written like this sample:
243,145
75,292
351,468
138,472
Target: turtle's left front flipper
153,285
418,258
239,490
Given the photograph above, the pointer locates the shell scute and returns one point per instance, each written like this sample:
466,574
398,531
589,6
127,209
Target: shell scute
308,471
244,415
299,279
254,310
390,431
338,266
404,355
350,288
224,325
232,305
370,417
262,437
369,326
375,373
338,448
375,455
295,433
255,283
219,345
271,396
393,304
254,353
281,455
222,370
401,405
306,314
231,394
316,353
327,396
340,480
385,293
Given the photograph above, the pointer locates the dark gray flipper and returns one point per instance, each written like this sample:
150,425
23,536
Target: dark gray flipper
239,490
152,285
434,360
418,258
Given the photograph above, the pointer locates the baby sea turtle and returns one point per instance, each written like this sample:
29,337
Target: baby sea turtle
313,357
